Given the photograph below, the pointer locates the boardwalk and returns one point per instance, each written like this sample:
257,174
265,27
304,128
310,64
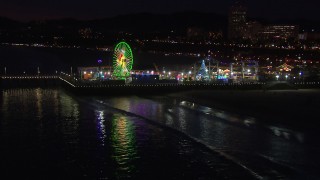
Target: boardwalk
120,87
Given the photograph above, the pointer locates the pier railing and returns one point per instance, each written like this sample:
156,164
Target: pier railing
97,87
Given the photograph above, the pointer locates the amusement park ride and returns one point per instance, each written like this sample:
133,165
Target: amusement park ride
122,61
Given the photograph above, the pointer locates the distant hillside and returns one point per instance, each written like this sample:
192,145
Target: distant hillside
140,22
148,22
6,23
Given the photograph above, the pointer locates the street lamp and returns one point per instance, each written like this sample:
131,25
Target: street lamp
99,64
189,75
300,74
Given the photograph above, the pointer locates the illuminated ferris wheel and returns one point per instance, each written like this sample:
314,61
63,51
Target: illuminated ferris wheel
122,60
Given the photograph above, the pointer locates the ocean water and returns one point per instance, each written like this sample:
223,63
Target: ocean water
50,134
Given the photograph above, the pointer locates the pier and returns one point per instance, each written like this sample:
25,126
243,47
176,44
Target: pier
119,87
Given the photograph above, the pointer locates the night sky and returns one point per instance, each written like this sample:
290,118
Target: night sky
25,10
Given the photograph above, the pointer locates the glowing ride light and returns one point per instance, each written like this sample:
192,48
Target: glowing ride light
122,60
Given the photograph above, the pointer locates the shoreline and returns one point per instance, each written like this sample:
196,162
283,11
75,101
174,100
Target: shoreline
287,108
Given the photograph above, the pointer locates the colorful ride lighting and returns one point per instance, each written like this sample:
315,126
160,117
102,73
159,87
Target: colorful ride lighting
122,60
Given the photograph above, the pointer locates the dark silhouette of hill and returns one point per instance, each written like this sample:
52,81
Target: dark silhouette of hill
6,23
140,22
149,23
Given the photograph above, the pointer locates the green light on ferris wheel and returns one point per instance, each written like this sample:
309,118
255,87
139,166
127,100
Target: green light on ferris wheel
122,60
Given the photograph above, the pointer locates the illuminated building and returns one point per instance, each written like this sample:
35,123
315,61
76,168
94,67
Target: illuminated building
85,33
279,31
194,33
284,67
95,73
310,36
241,28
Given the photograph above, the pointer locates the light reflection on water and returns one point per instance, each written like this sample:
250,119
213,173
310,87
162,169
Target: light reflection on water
102,134
123,144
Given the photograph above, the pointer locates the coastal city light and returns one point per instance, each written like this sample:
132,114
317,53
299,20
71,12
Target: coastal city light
159,89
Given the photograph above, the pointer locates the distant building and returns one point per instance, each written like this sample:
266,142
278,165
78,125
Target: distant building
284,68
237,21
253,28
86,33
95,73
310,36
241,28
195,33
214,35
279,31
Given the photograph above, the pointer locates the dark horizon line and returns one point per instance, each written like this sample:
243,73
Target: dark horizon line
152,13
109,17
